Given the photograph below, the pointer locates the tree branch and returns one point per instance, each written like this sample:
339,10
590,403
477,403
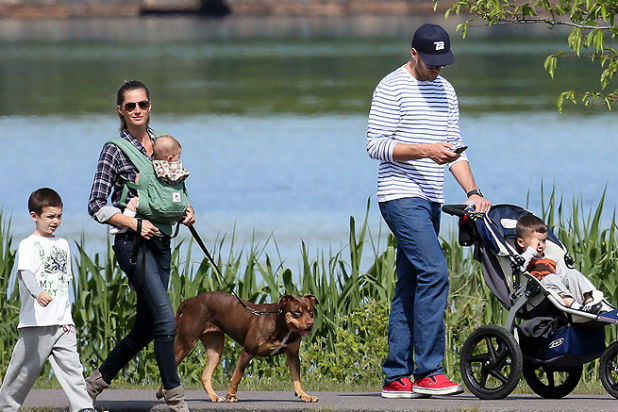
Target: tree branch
562,23
549,22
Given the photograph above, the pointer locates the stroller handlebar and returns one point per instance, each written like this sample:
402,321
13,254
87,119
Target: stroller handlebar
458,210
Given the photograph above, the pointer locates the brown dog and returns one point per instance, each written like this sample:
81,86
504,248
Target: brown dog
209,315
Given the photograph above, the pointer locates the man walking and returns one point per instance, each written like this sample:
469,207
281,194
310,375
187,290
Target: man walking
413,130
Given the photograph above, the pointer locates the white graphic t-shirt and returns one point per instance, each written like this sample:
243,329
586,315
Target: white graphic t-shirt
49,258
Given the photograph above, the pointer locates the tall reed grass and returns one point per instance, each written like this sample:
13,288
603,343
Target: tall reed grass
349,340
9,308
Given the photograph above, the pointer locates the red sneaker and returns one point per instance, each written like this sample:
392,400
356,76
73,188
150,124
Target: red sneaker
436,385
401,388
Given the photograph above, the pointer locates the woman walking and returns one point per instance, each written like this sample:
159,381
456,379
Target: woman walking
149,267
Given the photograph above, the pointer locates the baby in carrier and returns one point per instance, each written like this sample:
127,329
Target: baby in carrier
576,291
167,166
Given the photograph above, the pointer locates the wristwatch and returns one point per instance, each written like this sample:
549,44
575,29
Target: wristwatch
474,192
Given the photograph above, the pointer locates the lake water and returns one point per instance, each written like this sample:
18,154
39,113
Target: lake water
272,116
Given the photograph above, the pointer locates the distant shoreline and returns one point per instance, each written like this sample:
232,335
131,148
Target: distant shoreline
66,9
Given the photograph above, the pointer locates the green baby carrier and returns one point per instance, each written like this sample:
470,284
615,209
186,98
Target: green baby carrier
159,202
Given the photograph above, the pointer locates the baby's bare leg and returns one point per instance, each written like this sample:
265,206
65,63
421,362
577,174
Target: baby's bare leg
132,205
568,301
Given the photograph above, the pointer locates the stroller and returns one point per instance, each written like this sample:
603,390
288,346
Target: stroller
543,339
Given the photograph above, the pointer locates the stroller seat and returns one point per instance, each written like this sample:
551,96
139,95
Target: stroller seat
503,271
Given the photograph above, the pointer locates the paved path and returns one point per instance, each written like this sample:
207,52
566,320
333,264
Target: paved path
120,400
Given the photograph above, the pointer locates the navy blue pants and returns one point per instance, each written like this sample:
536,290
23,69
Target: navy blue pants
155,318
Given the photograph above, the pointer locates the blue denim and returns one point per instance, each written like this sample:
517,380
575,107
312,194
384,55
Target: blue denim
155,318
416,322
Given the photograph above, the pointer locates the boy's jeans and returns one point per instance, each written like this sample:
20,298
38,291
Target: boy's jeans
416,323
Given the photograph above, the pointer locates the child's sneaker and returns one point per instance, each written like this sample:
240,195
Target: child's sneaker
401,388
436,385
593,307
115,230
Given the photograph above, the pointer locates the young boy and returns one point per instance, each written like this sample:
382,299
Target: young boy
46,328
167,166
574,288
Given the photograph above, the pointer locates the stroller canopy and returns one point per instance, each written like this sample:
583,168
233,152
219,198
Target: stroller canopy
497,229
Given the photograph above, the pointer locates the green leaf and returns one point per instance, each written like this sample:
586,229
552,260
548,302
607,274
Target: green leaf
575,40
551,64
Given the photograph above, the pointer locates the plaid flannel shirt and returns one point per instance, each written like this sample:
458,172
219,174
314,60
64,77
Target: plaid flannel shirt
112,165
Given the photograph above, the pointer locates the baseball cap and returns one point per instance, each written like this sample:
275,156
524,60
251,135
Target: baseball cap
433,44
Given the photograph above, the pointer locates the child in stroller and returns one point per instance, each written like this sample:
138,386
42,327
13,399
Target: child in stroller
544,339
576,291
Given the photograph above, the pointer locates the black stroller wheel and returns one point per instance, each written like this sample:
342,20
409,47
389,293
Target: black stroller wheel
550,382
491,362
609,369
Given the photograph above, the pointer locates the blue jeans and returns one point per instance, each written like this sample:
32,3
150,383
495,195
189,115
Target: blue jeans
155,318
416,323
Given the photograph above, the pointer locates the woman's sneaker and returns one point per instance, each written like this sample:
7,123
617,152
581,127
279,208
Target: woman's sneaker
400,388
436,385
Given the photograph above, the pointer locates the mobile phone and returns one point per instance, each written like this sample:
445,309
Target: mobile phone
460,149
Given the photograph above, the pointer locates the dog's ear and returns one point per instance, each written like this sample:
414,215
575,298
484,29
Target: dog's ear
312,298
285,299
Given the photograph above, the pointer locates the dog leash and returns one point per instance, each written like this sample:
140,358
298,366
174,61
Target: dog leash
202,246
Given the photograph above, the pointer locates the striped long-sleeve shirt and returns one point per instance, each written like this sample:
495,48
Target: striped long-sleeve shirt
405,110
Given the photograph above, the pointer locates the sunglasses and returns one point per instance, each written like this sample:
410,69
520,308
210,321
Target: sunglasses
144,105
433,67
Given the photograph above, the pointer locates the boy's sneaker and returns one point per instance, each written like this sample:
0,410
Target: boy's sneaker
436,385
593,307
401,388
